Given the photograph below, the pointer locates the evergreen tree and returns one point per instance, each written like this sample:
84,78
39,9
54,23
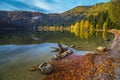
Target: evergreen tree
114,11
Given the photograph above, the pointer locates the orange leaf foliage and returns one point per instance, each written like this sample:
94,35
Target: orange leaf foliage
87,67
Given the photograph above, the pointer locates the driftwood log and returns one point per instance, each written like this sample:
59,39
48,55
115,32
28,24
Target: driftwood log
47,68
60,49
63,52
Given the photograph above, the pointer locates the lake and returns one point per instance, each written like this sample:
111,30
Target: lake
21,50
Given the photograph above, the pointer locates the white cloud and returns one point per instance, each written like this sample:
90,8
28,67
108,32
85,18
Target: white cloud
37,3
9,7
50,6
44,4
41,4
54,6
6,6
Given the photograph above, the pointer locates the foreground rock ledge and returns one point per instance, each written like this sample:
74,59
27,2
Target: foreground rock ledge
104,66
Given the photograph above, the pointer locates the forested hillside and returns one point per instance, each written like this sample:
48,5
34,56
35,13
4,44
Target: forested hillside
96,16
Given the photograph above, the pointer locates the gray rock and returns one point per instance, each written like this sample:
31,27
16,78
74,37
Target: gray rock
46,68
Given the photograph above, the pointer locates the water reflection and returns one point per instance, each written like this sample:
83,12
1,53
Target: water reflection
80,38
20,50
15,60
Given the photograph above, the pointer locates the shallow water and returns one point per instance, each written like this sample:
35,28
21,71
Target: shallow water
19,52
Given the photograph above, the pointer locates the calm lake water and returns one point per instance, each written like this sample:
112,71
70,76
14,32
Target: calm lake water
20,51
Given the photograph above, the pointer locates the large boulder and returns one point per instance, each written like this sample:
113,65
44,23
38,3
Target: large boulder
46,68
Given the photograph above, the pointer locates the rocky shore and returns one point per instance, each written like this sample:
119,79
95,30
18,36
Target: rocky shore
98,66
88,67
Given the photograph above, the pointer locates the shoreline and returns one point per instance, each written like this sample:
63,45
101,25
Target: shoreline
87,67
102,66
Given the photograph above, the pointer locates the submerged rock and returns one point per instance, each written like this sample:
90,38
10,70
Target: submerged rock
33,68
72,46
46,68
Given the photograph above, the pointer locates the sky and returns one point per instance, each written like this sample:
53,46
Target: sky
45,6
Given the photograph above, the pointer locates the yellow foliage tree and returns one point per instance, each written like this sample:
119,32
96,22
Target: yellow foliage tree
105,26
92,29
86,24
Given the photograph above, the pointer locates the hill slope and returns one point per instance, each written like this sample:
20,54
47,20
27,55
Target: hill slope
27,20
